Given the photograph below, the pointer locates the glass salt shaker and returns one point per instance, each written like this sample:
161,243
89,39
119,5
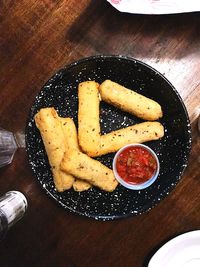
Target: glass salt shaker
9,143
13,206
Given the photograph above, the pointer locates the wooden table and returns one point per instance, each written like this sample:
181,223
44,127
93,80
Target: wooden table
36,39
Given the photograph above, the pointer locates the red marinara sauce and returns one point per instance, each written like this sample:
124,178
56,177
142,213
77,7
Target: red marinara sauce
136,165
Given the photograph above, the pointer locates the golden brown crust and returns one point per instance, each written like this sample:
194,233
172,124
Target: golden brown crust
88,117
50,128
90,170
71,142
138,133
80,185
130,101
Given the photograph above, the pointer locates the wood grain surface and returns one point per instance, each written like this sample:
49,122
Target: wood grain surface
36,39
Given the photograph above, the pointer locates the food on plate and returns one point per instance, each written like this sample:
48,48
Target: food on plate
70,153
88,117
81,185
130,101
90,170
48,123
90,140
71,142
136,164
70,134
138,133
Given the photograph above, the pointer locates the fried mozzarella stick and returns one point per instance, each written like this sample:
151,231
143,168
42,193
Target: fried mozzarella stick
130,101
88,117
80,185
138,133
71,143
90,170
48,123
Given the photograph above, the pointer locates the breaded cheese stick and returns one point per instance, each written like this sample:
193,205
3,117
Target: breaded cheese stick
70,134
88,117
130,101
90,170
71,142
138,133
53,138
81,185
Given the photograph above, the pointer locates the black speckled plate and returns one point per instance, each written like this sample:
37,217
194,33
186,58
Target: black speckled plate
173,150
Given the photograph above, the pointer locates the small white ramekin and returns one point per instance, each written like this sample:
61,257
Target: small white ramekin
136,186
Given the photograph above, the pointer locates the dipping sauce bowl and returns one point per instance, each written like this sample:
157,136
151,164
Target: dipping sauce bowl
136,166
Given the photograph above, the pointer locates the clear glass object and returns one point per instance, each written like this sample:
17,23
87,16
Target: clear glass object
13,206
9,143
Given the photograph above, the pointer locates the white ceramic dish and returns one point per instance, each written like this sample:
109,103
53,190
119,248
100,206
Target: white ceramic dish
156,7
181,251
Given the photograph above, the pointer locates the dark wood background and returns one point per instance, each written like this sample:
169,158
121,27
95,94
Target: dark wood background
36,39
